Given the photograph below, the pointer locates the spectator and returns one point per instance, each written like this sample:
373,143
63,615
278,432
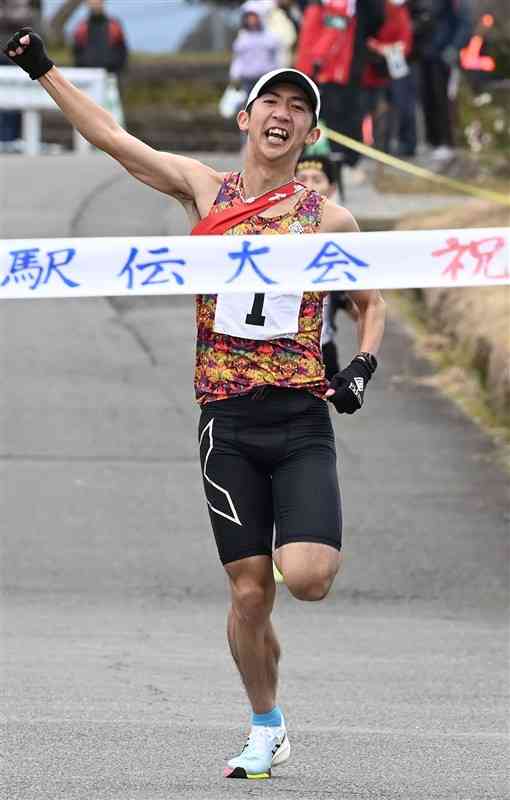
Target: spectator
388,82
422,22
255,50
280,22
332,50
439,50
317,174
14,14
99,41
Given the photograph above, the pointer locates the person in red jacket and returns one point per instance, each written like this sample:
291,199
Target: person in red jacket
332,50
388,83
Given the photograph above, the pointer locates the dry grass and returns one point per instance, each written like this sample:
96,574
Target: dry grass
468,214
493,174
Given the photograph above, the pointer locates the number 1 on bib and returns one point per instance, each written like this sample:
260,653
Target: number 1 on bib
255,316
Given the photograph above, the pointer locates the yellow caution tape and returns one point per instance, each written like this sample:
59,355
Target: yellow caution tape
412,169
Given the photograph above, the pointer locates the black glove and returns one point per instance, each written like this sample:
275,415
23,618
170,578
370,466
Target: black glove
34,59
349,384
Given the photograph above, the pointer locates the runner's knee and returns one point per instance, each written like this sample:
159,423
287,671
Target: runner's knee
311,583
310,587
252,602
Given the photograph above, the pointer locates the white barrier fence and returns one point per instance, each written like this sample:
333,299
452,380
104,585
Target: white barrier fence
278,265
19,92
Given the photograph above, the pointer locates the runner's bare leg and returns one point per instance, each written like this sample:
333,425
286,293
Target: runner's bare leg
252,640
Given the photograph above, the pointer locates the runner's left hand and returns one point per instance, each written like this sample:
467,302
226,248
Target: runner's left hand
347,388
27,50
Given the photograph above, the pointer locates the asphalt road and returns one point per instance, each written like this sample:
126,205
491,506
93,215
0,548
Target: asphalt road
117,683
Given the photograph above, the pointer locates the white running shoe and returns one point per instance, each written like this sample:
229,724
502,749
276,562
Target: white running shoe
265,748
442,153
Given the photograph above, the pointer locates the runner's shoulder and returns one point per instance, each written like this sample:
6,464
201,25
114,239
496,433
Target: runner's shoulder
337,219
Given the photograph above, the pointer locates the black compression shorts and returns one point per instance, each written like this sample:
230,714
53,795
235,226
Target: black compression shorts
269,462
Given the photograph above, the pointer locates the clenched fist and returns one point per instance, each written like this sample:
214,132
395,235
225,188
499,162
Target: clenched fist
347,388
27,50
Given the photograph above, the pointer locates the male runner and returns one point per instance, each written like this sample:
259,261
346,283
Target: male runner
266,441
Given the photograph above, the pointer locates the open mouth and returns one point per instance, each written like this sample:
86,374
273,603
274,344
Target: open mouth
277,135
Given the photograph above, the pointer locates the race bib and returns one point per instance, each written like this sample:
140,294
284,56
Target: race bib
258,316
396,61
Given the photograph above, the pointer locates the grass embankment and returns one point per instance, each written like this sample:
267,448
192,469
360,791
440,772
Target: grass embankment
465,332
485,171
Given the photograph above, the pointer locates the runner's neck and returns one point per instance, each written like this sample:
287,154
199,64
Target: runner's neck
252,186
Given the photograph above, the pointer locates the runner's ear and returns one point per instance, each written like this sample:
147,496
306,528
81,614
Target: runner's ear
313,136
243,120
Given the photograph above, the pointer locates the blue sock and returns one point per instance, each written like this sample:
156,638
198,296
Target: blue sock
273,719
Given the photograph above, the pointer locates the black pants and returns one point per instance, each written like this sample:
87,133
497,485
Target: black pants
342,112
393,111
269,462
403,99
436,105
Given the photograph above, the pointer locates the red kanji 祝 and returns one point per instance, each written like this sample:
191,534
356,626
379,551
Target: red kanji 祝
476,257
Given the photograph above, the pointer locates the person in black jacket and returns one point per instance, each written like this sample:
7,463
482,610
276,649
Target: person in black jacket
443,28
99,41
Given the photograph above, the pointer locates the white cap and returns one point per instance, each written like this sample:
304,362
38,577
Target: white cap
287,76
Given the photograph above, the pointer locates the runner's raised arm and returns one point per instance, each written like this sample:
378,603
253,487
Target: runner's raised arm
186,179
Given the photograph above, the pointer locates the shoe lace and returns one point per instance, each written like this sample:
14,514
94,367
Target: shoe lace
260,738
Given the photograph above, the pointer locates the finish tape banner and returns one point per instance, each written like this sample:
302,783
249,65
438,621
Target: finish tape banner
53,268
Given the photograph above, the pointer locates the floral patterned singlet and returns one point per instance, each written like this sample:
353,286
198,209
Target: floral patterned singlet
288,353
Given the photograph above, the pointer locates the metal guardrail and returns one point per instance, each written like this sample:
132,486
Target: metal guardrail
18,92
